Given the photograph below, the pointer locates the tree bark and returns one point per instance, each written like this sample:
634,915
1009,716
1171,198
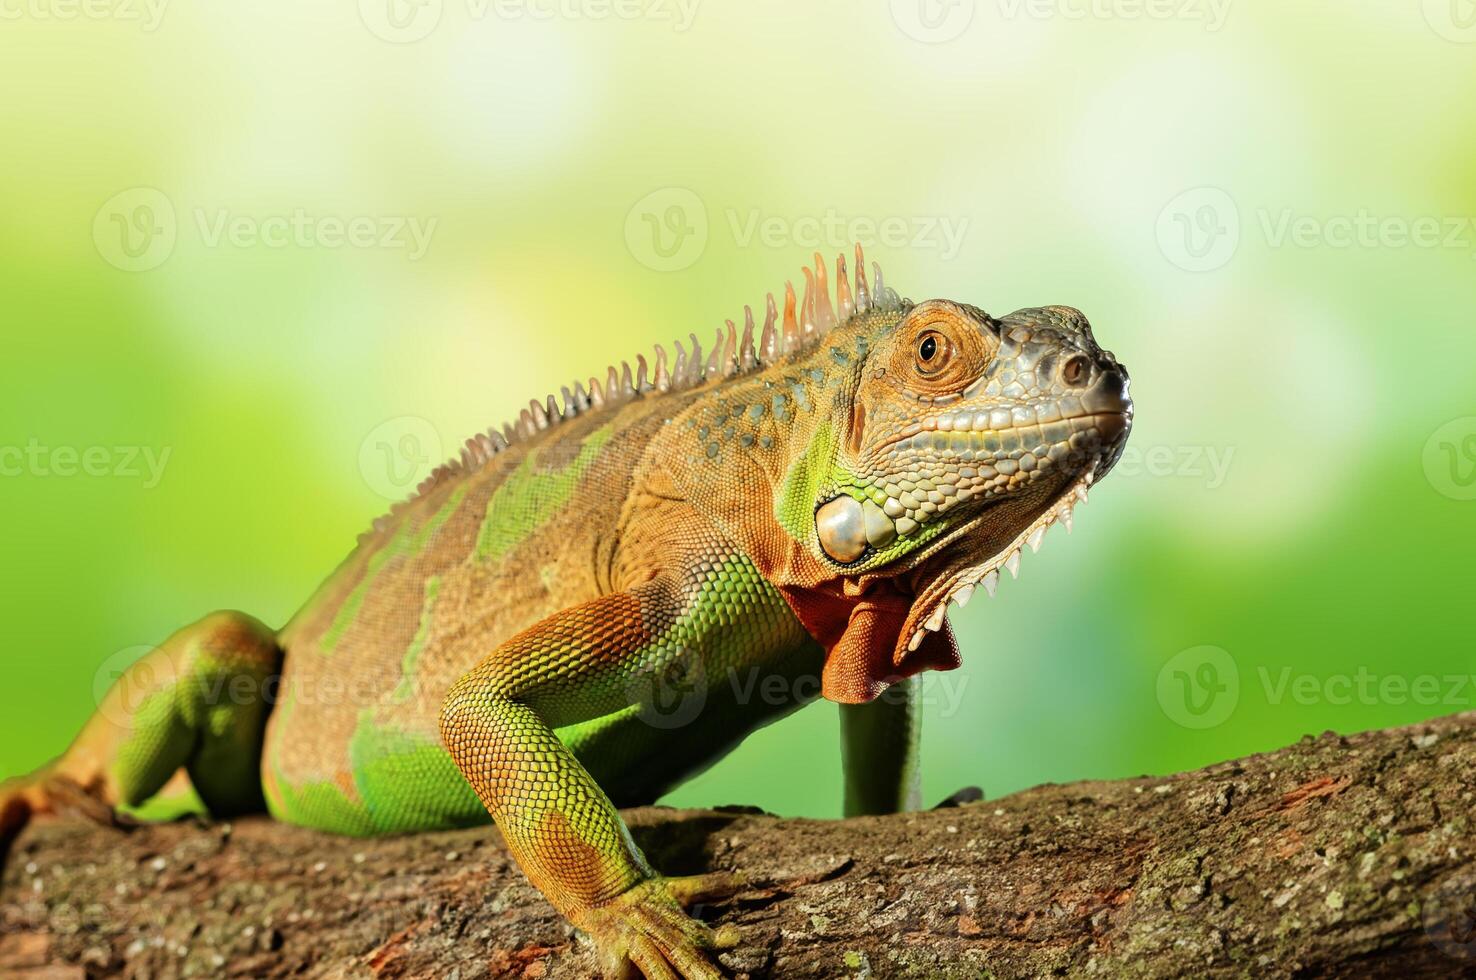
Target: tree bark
1335,857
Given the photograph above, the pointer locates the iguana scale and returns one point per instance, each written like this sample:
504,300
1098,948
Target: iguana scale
556,623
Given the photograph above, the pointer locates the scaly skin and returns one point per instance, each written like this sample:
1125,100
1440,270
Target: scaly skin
577,616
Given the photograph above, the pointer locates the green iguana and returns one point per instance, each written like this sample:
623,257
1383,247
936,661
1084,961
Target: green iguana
804,502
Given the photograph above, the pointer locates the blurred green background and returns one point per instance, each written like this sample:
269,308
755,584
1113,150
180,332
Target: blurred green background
206,251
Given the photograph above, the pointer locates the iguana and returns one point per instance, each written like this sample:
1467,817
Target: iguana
578,612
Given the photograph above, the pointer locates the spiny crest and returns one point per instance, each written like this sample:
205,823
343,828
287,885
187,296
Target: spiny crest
733,352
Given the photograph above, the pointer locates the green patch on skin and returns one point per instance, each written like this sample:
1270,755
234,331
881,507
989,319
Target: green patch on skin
405,690
817,476
155,748
401,783
812,471
322,806
408,540
529,497
408,781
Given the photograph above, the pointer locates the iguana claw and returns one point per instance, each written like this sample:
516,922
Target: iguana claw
646,930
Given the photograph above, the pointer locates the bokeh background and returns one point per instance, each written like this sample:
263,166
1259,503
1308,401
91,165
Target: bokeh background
262,264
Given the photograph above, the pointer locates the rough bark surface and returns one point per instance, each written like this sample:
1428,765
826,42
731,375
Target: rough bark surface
1336,857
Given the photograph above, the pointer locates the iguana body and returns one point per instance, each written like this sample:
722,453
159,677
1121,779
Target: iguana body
578,614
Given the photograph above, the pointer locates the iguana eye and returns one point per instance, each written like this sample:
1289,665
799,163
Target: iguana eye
933,352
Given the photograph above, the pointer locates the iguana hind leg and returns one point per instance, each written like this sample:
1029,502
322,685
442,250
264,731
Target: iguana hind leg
199,701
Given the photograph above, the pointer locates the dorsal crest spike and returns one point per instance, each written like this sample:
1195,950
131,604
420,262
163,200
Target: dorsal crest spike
661,379
730,350
714,359
627,383
791,325
807,307
641,382
747,356
843,303
824,312
695,365
769,344
863,295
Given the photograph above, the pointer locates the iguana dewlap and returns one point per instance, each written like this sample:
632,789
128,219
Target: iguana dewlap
584,608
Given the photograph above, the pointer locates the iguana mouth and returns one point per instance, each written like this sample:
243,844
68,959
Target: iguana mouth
957,585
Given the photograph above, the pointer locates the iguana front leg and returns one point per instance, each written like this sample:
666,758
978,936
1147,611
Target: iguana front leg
879,749
582,663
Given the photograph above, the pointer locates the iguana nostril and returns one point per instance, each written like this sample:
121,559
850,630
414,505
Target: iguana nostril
1075,370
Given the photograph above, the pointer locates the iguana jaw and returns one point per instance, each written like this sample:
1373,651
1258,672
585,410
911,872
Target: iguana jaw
956,583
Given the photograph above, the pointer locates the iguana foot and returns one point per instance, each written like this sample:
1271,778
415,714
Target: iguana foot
646,929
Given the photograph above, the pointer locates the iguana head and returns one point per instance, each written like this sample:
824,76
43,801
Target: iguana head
966,437
954,439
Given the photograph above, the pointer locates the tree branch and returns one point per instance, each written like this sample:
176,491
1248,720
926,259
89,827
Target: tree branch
1335,857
